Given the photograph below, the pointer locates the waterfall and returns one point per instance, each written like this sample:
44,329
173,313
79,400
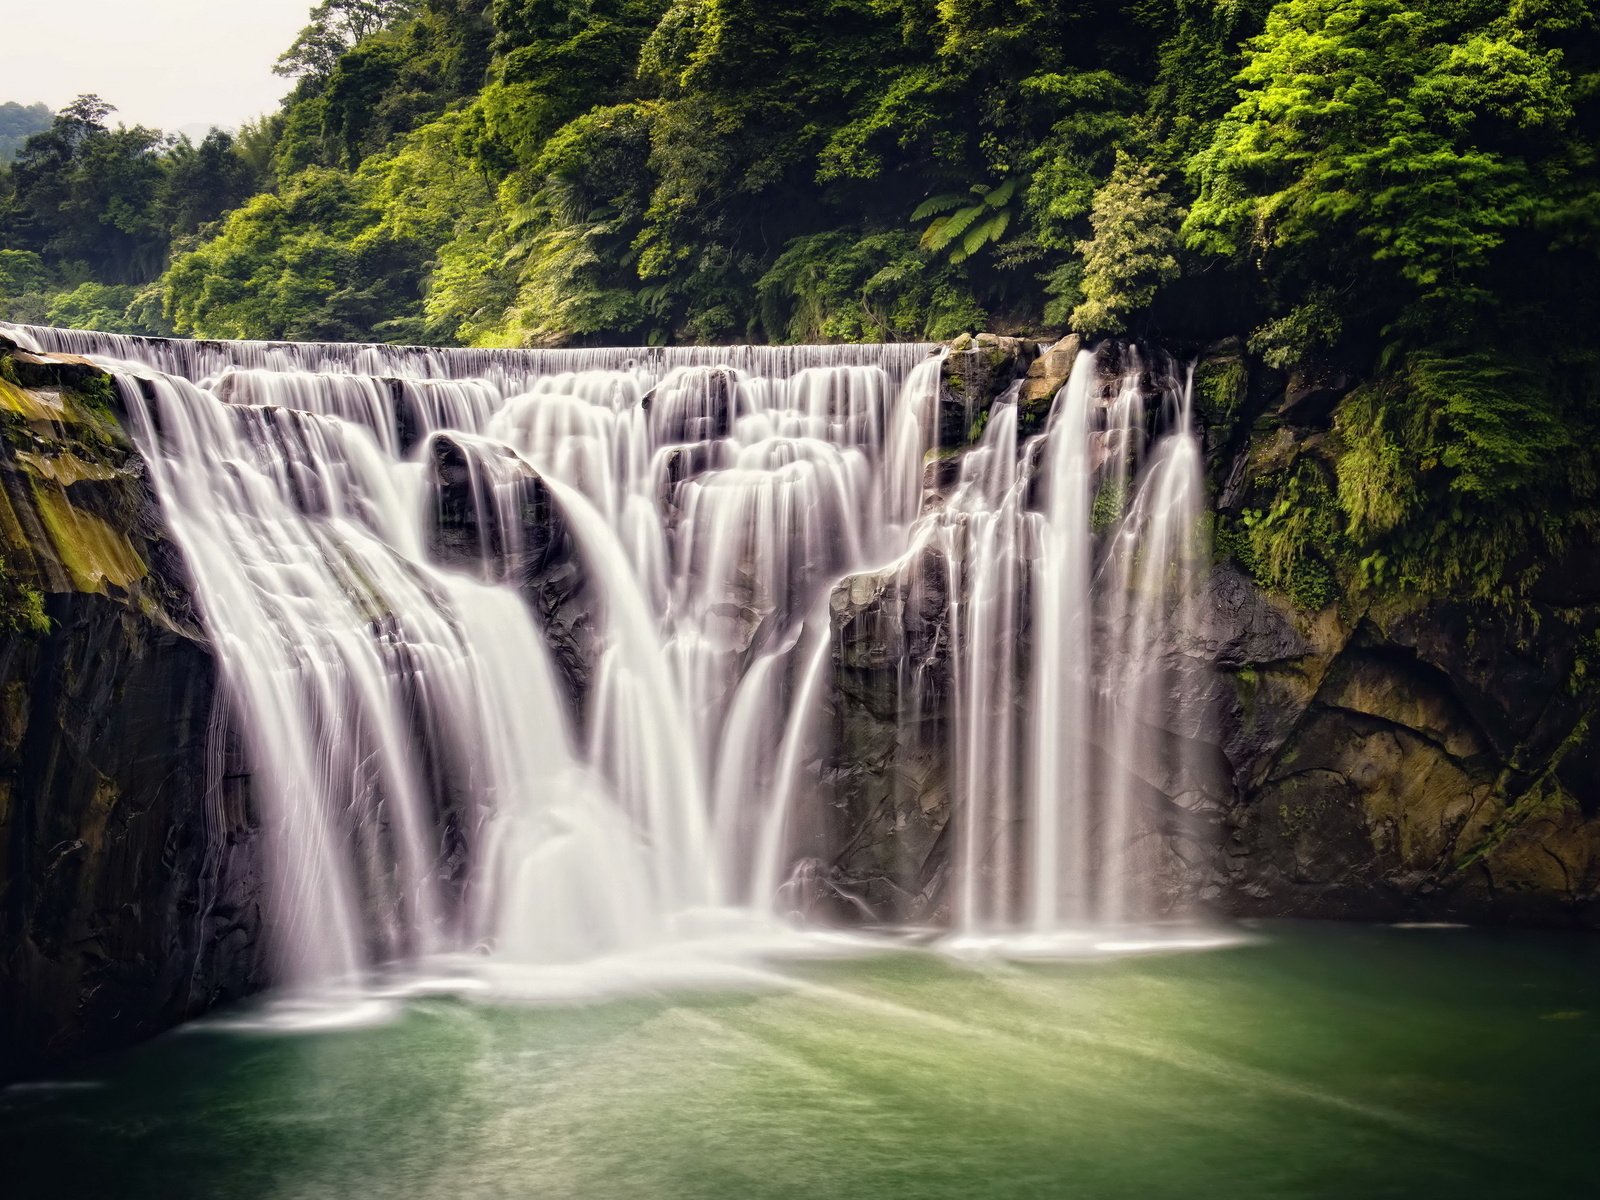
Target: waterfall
1073,572
528,647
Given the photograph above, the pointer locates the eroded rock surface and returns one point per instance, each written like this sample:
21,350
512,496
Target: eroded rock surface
130,883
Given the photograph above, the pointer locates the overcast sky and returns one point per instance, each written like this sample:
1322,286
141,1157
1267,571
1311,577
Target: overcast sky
167,63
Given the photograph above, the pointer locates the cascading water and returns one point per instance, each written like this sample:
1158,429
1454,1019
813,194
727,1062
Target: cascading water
434,778
1071,566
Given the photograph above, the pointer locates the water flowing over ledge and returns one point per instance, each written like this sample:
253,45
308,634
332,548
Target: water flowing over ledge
530,647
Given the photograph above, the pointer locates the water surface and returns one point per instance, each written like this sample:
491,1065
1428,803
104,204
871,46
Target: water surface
1307,1062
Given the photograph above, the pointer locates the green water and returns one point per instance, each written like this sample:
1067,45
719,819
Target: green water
1312,1062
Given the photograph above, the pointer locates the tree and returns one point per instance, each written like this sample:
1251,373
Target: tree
1133,250
1414,136
203,182
86,194
337,26
19,122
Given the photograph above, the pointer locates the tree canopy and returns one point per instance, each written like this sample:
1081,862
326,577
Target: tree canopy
1404,191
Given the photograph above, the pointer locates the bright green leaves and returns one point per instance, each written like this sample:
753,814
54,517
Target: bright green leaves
1410,132
1133,250
574,256
840,286
970,222
22,271
311,262
909,114
1456,467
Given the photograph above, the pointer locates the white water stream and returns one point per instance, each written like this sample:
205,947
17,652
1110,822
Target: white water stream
426,782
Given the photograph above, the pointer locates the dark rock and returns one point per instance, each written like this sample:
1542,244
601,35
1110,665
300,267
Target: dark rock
882,853
132,883
1312,395
494,515
131,877
694,406
977,373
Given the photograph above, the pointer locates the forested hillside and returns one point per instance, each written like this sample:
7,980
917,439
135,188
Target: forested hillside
19,122
1405,192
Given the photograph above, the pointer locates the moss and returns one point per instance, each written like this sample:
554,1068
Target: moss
978,426
65,468
1295,818
30,405
99,393
1220,386
21,604
1292,547
93,553
1110,502
1541,800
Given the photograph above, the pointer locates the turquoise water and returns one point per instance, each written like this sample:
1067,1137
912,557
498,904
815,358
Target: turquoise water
1317,1061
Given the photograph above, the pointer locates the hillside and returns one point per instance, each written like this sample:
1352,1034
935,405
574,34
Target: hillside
1396,203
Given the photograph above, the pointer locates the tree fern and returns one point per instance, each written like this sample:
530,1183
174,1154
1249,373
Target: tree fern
934,205
971,221
991,230
947,229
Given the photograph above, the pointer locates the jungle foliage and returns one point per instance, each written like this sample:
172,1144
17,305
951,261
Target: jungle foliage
90,215
1403,191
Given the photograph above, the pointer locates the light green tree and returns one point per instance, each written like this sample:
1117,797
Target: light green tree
1133,250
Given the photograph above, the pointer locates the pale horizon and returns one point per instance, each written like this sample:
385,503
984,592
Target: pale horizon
177,65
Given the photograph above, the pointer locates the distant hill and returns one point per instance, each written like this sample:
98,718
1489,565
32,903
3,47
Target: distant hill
18,122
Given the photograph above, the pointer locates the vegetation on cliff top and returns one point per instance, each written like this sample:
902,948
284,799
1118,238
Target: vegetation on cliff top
1405,191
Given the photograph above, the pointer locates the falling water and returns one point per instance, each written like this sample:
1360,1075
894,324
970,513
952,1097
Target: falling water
444,764
1070,582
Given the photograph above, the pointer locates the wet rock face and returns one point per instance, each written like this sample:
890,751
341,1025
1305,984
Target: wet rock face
697,406
132,881
1379,778
978,371
1434,762
882,855
494,516
130,873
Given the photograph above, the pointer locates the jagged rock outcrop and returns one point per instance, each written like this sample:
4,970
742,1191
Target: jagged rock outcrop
977,372
130,878
495,516
886,724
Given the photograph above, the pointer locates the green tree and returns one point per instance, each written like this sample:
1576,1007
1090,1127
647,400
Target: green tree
337,26
1390,148
1133,250
19,122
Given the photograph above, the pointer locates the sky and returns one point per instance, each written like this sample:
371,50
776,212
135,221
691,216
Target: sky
172,64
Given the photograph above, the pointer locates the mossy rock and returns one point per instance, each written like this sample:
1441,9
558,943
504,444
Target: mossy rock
977,372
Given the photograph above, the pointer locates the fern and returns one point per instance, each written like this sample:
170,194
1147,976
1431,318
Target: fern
1000,196
934,205
947,229
977,238
971,221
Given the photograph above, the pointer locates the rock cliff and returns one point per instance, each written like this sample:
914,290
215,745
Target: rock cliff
129,879
1370,756
1367,756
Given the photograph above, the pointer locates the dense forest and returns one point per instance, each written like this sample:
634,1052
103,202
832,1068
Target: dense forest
1403,191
